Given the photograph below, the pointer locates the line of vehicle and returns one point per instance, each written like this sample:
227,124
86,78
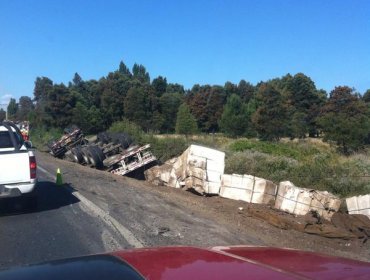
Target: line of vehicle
100,213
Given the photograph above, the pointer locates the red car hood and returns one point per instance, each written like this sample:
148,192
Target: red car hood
240,262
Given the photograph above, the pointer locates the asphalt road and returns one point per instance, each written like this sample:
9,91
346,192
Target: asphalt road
59,228
95,212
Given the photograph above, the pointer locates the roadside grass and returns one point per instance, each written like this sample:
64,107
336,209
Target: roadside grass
40,137
305,163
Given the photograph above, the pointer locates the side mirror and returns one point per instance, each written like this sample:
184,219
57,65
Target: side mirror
28,144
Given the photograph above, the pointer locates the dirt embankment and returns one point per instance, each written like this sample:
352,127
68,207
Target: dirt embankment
227,221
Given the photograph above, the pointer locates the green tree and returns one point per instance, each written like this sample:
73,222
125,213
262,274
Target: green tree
139,72
77,80
206,103
12,109
245,90
169,105
25,106
185,121
303,102
345,119
2,114
90,120
137,106
234,120
366,96
160,85
270,118
42,91
124,70
175,88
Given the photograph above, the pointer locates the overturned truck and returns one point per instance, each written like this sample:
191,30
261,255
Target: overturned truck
114,152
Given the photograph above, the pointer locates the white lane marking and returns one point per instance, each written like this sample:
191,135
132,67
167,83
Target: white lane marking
104,216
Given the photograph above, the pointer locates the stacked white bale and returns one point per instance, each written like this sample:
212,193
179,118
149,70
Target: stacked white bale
248,188
199,168
212,162
359,205
300,201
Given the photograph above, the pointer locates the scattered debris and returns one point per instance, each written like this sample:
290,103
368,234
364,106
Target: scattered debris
300,201
304,224
248,188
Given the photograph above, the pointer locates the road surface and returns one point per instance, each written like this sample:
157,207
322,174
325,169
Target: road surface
93,212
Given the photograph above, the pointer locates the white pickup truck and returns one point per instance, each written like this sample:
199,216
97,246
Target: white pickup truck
17,166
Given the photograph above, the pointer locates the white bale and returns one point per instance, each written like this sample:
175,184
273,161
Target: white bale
196,161
215,165
212,187
300,201
247,188
359,205
213,176
206,153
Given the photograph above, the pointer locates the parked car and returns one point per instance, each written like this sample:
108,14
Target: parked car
18,175
183,263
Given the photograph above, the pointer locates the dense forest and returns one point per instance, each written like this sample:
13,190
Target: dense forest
290,106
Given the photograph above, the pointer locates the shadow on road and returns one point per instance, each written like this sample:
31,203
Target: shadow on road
49,197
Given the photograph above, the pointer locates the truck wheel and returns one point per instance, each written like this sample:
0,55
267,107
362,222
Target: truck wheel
123,139
77,155
103,137
85,156
94,158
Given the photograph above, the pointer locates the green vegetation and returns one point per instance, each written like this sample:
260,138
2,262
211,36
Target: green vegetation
290,106
306,164
40,137
185,121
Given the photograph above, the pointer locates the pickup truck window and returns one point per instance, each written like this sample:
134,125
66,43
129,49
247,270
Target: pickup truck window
5,141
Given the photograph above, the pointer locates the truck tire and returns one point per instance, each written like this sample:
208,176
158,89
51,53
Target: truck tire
94,158
99,152
85,156
77,155
103,138
123,139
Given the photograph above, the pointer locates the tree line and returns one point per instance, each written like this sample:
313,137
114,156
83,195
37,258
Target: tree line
290,106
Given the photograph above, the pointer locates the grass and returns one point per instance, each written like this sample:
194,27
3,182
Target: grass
305,163
40,137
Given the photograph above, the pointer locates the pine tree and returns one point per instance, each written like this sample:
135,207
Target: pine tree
234,119
185,121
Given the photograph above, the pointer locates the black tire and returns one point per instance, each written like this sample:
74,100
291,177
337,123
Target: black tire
103,138
99,152
77,154
85,155
94,158
123,139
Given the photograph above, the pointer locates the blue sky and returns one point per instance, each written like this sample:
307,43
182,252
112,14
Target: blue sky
188,42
